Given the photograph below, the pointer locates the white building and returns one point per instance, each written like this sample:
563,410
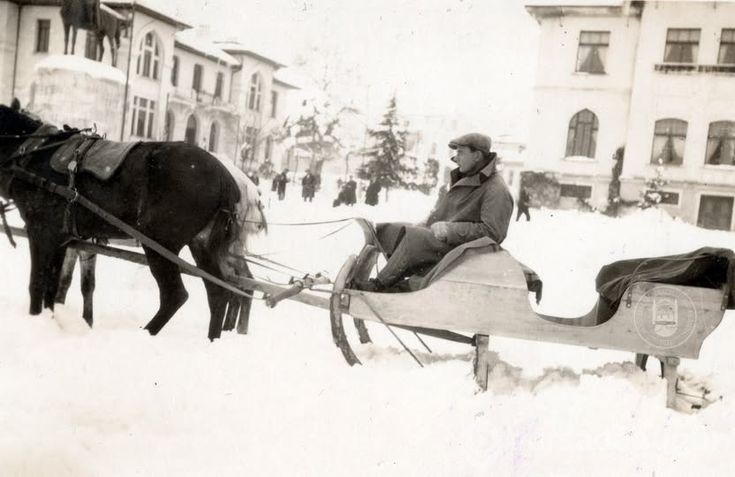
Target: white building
177,86
657,78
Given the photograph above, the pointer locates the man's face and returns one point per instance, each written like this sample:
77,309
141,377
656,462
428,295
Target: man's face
466,158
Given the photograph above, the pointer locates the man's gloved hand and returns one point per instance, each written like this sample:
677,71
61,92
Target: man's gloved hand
440,230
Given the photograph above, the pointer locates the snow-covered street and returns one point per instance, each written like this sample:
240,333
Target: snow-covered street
281,400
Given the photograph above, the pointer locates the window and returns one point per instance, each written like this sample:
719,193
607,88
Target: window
218,85
669,137
715,212
191,130
274,103
682,45
255,91
90,46
149,57
43,28
196,81
582,135
721,143
213,136
168,127
142,118
175,71
727,47
576,191
592,51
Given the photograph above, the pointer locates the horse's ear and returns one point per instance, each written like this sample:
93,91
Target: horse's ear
15,104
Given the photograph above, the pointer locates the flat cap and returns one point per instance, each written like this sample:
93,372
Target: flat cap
477,141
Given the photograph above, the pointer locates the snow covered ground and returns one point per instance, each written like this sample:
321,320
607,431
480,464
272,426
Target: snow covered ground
281,400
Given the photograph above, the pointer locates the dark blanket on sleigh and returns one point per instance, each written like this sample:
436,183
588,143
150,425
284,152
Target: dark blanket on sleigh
706,267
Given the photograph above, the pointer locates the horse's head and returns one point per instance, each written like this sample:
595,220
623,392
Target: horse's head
15,121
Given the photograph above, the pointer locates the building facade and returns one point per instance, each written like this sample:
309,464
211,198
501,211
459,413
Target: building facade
653,78
177,85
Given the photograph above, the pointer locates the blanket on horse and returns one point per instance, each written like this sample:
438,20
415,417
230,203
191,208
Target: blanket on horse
93,154
707,267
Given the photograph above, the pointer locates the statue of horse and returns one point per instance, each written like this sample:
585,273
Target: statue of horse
111,24
99,20
172,192
76,14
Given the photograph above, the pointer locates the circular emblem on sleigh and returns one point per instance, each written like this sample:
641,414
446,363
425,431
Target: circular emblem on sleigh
665,317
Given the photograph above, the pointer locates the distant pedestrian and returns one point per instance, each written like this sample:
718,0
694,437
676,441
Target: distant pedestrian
524,200
372,192
308,186
280,184
350,192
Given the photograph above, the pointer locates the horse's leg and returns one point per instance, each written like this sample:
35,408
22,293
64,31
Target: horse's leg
88,264
35,284
101,48
66,37
245,302
52,273
217,297
67,272
233,308
172,293
73,38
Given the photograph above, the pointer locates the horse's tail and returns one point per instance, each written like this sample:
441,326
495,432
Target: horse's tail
225,227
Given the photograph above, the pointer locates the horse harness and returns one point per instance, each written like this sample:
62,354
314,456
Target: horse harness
35,143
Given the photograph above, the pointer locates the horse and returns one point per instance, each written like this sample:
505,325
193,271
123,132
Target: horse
246,214
110,25
76,14
175,193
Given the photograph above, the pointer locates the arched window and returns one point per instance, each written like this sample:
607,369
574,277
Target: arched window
168,128
256,86
149,57
669,137
213,136
191,130
721,143
582,135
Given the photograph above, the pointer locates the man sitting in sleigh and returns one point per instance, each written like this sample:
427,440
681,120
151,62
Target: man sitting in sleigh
477,204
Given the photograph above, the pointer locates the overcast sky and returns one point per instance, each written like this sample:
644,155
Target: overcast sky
473,59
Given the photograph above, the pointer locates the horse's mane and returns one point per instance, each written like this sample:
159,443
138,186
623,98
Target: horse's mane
13,121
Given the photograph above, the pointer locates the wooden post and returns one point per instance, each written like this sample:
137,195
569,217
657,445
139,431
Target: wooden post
641,360
670,364
482,361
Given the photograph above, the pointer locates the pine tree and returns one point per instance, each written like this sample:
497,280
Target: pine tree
387,159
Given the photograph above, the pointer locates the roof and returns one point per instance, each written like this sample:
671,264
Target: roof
154,11
236,48
280,82
541,9
188,40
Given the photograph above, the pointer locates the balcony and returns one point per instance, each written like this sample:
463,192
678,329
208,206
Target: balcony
675,68
203,98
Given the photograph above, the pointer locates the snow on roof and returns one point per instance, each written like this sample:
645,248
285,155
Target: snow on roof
192,39
574,3
235,47
81,64
112,12
288,79
161,9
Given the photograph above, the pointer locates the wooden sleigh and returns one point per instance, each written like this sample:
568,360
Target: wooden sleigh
486,293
